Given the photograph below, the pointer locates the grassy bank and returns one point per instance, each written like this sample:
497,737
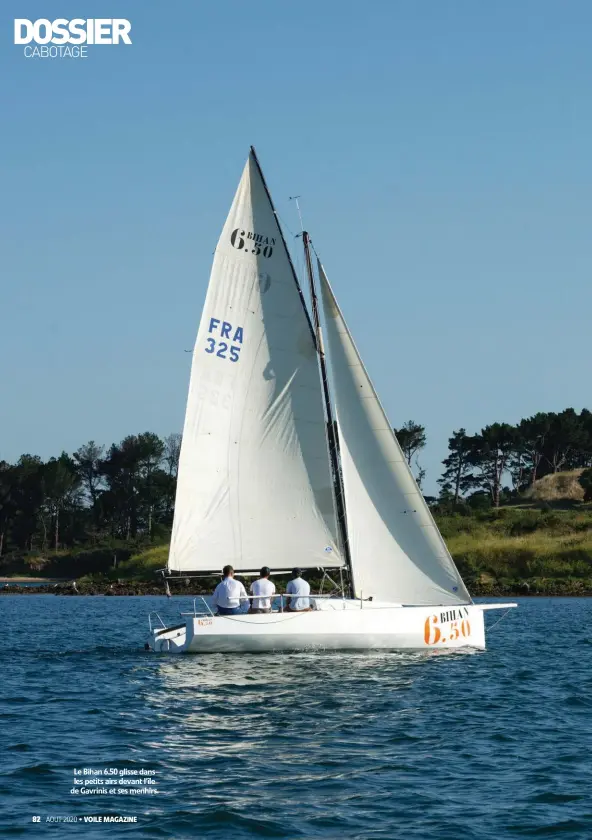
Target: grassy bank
513,550
521,549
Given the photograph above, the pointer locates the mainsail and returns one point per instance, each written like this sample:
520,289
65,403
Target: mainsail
254,485
397,553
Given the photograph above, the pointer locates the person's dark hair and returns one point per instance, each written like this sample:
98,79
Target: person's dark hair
265,571
227,570
296,572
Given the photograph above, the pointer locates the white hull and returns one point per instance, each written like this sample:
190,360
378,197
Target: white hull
336,625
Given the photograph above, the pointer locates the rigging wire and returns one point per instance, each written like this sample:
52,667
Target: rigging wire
489,629
298,260
311,243
285,224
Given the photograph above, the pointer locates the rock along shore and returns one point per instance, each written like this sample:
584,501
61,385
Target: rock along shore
177,587
188,587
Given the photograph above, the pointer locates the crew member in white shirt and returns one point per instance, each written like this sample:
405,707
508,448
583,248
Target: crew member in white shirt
262,587
298,586
229,593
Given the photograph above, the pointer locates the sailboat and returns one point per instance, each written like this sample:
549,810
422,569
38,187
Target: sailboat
288,460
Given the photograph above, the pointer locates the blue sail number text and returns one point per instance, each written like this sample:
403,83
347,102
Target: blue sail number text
229,349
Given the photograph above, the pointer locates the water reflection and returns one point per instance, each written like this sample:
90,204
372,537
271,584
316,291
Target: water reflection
296,726
264,670
296,705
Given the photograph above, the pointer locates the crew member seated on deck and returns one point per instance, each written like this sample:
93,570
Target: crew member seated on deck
298,586
229,593
262,587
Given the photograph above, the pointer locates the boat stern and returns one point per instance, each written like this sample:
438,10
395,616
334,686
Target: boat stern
168,639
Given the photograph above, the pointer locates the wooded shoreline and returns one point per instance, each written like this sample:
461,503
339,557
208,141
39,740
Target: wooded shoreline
103,518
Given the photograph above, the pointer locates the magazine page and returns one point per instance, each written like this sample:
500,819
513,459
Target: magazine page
295,420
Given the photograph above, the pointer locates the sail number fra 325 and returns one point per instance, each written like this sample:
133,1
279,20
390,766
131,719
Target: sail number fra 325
232,346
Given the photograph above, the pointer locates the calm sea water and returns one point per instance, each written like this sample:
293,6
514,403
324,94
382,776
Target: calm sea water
478,746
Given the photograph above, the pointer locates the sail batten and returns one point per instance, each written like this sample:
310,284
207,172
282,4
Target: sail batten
254,485
396,551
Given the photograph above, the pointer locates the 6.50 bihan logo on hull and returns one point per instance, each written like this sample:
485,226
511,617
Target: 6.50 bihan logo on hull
63,38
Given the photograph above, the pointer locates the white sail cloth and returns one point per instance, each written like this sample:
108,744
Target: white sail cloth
397,553
254,485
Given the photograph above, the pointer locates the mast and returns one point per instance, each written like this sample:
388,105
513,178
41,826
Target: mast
331,427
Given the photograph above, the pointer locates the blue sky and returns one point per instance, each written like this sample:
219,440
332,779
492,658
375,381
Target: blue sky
442,152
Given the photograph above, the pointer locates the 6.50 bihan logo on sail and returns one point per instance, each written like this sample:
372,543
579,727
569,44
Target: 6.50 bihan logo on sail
61,38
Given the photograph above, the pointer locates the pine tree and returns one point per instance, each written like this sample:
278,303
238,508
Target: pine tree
457,478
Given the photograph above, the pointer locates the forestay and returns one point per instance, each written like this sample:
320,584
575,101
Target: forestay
254,485
397,552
